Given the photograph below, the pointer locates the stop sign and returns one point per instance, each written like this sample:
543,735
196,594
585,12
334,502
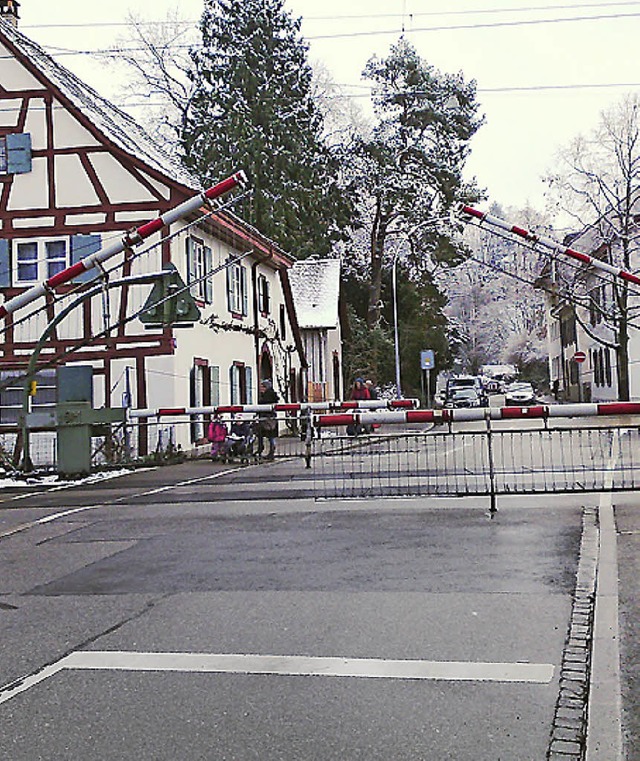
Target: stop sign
579,357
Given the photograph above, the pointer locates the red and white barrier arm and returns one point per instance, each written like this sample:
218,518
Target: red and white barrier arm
129,239
477,413
253,409
549,243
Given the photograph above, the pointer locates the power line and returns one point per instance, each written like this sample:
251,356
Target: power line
473,27
345,16
396,31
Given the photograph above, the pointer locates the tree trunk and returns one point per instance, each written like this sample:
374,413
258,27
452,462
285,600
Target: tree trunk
622,357
378,238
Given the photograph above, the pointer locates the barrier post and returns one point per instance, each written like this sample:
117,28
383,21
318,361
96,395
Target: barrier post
492,476
307,439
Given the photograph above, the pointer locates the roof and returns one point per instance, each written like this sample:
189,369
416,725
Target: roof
315,284
110,121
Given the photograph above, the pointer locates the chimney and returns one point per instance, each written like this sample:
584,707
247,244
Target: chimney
9,11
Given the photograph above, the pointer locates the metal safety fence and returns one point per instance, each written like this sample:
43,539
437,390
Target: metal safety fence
483,462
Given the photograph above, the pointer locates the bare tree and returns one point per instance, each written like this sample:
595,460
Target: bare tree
597,184
156,55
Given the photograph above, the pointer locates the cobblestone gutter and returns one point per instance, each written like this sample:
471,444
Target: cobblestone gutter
569,733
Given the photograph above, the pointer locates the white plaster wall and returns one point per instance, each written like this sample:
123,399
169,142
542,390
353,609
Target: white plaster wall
9,112
29,190
119,184
67,130
72,185
36,124
13,75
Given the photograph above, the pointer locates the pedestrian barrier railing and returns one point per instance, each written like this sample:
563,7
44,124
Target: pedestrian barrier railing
579,453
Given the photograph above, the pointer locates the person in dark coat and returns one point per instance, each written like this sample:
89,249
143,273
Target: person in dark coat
267,423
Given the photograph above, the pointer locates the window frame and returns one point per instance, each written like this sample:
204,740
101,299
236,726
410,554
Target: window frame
42,260
199,265
237,295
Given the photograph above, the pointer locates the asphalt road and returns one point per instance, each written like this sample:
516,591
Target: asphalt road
383,629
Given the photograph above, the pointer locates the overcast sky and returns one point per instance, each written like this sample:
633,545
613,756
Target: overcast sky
544,69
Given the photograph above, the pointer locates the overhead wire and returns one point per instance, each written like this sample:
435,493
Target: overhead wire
340,17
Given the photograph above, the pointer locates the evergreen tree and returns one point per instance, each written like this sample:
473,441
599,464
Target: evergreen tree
253,109
409,172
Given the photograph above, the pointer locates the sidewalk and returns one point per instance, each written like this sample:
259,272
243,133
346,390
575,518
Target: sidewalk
627,524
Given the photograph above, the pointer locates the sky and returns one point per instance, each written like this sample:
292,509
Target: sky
544,70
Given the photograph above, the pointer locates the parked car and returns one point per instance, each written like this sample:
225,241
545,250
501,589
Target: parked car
464,397
468,381
520,395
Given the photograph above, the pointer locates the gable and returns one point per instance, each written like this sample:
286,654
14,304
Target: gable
87,159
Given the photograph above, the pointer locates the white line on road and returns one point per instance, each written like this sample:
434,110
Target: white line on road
288,665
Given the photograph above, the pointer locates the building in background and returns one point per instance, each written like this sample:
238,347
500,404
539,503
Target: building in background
315,284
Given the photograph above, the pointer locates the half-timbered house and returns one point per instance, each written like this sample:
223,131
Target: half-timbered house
75,174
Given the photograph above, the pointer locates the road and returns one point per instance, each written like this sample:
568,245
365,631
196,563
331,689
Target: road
381,629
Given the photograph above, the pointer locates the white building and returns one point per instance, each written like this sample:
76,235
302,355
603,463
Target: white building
583,316
75,173
316,291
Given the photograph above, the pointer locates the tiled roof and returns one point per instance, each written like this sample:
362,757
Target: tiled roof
110,121
315,284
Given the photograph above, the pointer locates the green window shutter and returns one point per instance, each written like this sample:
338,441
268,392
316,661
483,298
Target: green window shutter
81,247
208,283
230,268
214,379
191,267
18,153
5,264
249,381
243,288
232,386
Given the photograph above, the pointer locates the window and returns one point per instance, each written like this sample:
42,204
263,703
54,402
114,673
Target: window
27,262
38,260
199,269
264,295
241,382
198,377
56,256
237,302
12,394
283,323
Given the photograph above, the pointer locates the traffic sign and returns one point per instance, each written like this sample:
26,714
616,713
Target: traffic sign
579,357
427,359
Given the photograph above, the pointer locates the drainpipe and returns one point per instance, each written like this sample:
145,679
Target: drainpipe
256,328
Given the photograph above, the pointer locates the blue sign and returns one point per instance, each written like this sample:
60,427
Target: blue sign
427,359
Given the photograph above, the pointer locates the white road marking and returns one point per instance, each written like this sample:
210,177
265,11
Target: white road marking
56,516
288,665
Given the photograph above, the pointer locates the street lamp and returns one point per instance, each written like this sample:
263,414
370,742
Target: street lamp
395,324
394,285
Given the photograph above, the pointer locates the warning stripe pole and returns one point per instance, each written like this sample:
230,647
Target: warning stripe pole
548,243
129,239
468,414
233,409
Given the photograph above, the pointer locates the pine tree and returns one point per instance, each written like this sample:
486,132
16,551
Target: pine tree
409,172
253,109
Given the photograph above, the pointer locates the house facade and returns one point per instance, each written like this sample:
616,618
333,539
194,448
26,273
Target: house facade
582,316
76,173
316,291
